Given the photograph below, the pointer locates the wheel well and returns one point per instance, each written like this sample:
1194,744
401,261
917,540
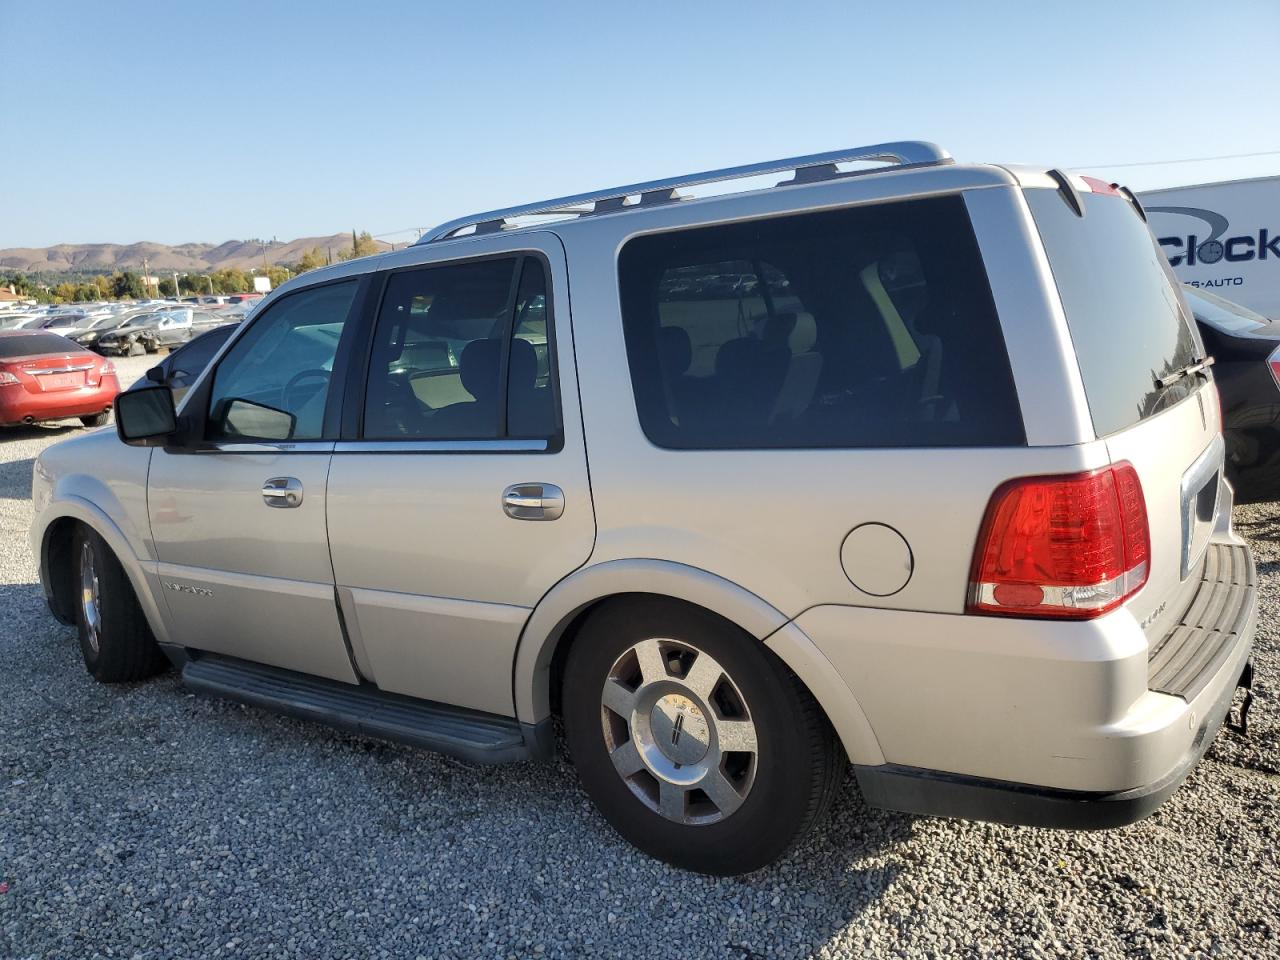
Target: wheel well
57,567
568,634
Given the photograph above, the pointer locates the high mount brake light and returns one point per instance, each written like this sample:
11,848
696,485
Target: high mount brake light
1072,547
1101,186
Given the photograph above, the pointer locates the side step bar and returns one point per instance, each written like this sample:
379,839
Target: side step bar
468,734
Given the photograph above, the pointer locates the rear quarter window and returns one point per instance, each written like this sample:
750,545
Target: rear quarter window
865,327
1127,320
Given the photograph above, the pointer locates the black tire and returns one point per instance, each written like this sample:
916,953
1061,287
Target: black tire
96,420
799,763
125,649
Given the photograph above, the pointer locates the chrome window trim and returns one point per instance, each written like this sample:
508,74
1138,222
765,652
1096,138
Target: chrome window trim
267,446
441,446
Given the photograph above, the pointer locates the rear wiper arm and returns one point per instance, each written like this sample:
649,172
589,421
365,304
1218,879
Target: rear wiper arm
1191,369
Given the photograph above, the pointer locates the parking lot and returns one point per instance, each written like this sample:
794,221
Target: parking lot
142,821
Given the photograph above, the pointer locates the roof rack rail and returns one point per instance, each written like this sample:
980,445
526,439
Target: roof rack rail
807,169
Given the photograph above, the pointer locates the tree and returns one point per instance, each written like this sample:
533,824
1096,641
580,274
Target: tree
312,259
167,289
361,246
277,275
194,283
231,280
126,285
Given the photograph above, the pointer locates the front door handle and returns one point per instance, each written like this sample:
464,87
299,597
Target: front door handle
533,501
282,492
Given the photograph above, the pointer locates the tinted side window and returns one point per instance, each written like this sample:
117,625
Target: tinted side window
1122,306
461,352
866,327
530,402
274,382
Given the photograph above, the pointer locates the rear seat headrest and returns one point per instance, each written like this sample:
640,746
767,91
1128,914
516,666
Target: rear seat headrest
798,330
675,350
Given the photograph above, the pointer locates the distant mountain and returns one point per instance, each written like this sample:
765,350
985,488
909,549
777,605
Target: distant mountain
91,258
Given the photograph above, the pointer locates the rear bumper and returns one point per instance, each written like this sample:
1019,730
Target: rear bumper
939,794
1035,722
85,402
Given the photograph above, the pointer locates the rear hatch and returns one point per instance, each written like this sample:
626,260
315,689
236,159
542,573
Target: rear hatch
1135,341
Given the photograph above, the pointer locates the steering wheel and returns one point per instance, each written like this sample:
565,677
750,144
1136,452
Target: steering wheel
297,378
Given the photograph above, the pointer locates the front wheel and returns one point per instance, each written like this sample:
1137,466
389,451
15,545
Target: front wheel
697,744
114,637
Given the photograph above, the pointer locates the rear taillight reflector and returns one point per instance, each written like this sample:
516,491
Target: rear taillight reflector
1070,546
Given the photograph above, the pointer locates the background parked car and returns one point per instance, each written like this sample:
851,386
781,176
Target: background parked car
148,333
1246,351
47,377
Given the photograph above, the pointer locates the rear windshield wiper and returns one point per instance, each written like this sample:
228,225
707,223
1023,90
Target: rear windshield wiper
1191,369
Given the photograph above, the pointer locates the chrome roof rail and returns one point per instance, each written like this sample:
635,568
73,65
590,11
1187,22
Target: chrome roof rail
807,169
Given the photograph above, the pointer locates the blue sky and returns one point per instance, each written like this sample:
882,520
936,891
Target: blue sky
205,122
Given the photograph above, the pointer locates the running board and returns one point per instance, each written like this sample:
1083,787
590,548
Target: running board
468,734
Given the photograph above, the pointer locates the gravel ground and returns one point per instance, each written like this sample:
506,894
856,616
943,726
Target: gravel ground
141,821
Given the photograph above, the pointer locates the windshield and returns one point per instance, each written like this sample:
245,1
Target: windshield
1222,314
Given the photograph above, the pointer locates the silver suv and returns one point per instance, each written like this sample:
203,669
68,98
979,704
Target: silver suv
917,465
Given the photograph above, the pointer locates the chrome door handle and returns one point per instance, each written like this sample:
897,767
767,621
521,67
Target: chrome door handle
282,492
533,501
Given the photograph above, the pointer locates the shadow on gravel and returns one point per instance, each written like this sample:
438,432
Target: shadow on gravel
1263,528
15,479
39,431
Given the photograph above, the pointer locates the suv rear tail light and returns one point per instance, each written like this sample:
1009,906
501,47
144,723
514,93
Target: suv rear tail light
1070,546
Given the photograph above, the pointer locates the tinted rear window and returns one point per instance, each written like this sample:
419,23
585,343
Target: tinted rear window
865,327
1126,318
35,345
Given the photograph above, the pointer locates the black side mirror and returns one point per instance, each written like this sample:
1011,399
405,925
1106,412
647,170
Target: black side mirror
156,374
145,417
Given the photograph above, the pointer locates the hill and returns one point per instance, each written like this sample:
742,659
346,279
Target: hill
90,258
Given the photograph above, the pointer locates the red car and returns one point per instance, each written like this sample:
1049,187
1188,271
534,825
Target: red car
47,377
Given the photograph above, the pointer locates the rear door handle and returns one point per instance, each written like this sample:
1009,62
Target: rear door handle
282,492
533,501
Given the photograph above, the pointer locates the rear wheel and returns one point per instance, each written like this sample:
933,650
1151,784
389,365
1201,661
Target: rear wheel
96,420
696,742
114,637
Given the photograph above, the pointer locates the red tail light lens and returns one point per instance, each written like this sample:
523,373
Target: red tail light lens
1072,546
1273,362
108,369
7,379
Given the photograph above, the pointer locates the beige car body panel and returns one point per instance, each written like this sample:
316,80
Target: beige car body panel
240,577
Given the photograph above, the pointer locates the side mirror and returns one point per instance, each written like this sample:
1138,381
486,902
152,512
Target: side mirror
145,417
156,374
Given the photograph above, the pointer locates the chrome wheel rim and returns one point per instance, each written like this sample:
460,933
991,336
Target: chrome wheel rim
679,732
90,599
